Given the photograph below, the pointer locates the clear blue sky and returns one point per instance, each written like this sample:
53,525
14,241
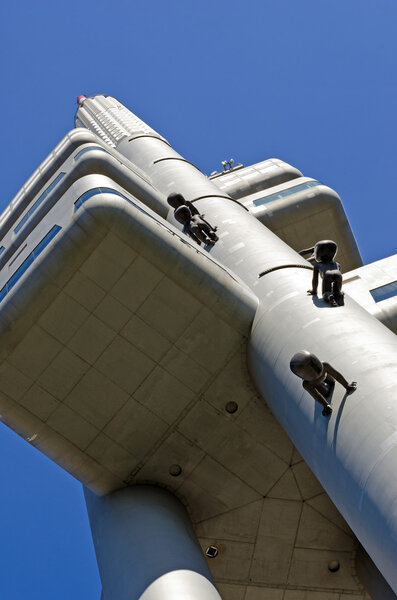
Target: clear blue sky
313,82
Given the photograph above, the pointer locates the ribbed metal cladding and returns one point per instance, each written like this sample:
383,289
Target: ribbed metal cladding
110,120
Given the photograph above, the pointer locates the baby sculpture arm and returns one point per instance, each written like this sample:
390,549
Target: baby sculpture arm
313,291
349,387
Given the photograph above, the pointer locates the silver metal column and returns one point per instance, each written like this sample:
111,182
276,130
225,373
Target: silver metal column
146,548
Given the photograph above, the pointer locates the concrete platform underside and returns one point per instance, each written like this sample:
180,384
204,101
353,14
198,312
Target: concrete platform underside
129,368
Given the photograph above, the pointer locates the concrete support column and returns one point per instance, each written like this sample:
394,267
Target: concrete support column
146,547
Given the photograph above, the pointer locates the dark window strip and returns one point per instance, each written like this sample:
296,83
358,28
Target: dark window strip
384,291
84,197
16,256
287,192
39,200
28,261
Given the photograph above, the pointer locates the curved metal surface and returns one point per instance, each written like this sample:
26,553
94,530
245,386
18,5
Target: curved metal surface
238,183
146,547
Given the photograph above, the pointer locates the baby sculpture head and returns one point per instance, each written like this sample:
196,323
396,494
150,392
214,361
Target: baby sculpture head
175,200
325,251
306,365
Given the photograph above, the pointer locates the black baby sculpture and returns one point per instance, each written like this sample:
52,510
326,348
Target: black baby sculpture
318,378
194,225
324,264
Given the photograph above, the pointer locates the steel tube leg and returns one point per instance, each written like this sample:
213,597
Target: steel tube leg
146,547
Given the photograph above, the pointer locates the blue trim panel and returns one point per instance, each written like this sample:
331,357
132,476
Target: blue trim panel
89,193
28,261
84,150
288,192
39,200
84,197
384,291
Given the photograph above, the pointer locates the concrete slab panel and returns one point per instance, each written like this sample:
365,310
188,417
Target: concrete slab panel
25,356
309,568
211,498
104,265
307,482
136,283
96,398
169,309
232,383
185,369
164,395
232,447
112,312
39,402
175,450
102,270
145,338
327,508
136,428
316,531
257,419
233,560
362,596
91,339
285,488
123,364
210,351
69,424
310,595
114,248
115,458
13,382
229,591
275,542
63,317
296,457
63,373
84,290
239,525
264,593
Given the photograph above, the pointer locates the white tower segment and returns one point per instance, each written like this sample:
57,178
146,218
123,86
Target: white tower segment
110,120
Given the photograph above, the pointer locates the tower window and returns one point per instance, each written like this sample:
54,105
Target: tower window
287,192
39,200
84,197
28,261
384,291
